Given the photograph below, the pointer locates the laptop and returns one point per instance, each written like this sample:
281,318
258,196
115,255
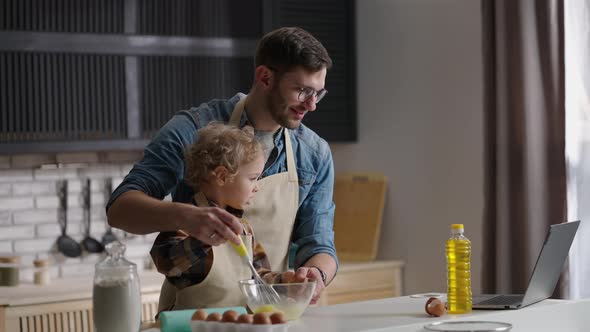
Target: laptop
545,274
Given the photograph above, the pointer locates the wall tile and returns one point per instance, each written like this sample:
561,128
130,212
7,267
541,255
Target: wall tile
35,216
16,232
14,175
44,202
76,270
5,218
20,203
5,189
55,174
34,246
5,247
54,230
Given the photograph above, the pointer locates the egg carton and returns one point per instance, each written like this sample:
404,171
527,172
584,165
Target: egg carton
205,326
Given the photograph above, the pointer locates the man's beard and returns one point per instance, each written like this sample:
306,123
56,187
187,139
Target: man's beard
279,110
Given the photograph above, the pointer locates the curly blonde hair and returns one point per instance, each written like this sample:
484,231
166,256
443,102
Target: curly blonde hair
219,144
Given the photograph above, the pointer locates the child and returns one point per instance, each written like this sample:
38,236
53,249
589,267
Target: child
223,167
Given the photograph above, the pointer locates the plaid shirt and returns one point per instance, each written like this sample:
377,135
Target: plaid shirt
186,261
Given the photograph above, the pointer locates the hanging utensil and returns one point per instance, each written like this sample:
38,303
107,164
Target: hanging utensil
108,236
89,243
65,244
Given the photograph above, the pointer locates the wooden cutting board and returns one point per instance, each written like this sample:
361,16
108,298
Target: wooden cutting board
359,199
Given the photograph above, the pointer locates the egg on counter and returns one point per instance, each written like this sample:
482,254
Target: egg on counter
435,307
277,318
214,317
261,318
245,319
230,316
199,315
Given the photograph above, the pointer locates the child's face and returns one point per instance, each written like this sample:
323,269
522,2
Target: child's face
239,192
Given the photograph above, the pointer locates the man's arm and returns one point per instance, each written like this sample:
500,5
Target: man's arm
314,232
136,205
138,213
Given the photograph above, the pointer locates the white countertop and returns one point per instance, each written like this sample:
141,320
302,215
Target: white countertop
68,289
404,314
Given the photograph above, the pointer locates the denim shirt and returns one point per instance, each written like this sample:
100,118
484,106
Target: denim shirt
161,171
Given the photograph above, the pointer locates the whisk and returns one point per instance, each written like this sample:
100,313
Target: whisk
266,292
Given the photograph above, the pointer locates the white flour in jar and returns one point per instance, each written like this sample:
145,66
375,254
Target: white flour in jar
117,306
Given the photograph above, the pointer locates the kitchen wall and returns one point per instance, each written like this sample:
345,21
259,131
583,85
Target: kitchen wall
420,118
28,208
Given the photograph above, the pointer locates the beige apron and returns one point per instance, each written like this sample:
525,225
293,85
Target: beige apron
271,214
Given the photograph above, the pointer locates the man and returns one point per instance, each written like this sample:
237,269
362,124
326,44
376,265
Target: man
294,204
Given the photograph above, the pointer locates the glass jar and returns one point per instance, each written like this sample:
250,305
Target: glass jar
41,272
116,298
9,270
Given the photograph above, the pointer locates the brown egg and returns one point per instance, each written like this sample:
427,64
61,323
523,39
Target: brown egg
199,315
230,316
288,277
214,317
245,319
261,319
277,318
435,307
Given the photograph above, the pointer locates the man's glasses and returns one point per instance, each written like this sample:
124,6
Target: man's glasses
307,92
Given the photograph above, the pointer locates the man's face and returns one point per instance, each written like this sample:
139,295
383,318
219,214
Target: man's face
283,103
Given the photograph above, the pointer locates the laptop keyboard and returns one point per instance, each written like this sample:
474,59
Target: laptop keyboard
503,299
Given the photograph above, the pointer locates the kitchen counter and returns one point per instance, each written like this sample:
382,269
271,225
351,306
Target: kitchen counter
69,289
405,314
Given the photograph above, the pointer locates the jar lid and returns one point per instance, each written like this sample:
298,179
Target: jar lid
10,259
40,262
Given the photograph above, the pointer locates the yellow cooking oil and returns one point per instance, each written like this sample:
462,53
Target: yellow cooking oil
458,251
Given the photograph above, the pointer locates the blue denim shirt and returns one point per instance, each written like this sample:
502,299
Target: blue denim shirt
161,171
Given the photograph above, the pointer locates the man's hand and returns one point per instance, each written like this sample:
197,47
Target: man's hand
311,273
211,225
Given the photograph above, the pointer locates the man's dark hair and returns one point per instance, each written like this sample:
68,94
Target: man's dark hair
286,48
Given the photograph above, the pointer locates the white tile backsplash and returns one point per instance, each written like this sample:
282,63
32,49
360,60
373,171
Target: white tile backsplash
29,210
35,216
5,218
34,246
5,189
15,175
17,232
16,203
5,247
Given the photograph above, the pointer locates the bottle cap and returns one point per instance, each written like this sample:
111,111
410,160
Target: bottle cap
10,259
40,262
457,226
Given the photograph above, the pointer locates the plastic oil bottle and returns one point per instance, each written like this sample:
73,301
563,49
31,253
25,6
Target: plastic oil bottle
458,251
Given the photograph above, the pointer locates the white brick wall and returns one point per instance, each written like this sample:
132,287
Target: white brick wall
29,204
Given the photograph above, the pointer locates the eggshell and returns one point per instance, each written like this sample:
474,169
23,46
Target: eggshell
435,307
230,316
199,315
214,317
288,277
277,318
245,319
261,318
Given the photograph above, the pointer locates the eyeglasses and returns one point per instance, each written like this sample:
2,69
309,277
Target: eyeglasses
307,92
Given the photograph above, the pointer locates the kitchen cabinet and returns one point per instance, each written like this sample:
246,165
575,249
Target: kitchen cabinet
66,304
365,281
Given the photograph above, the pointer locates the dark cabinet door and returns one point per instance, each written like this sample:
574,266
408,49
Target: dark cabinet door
91,75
